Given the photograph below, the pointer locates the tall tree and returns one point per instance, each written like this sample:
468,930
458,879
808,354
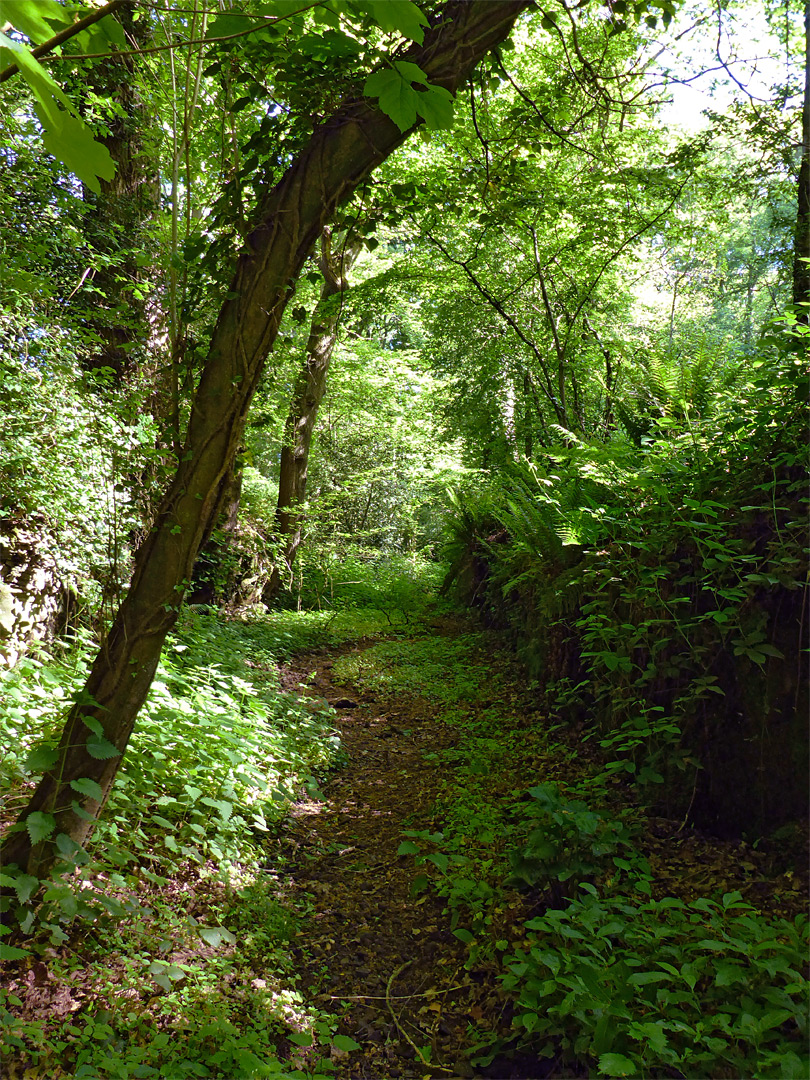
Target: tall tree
340,154
307,397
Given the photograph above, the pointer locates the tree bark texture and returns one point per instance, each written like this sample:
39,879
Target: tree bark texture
310,387
801,251
341,153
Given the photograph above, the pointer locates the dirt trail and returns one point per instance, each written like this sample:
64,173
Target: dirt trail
389,955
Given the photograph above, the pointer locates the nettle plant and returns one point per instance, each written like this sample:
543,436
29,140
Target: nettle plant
218,754
664,988
570,843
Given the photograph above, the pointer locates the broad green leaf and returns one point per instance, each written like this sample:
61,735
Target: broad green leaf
162,979
41,759
72,142
225,808
412,73
66,846
45,89
40,826
617,1065
398,15
101,749
25,886
440,859
9,952
419,884
642,978
408,847
435,104
301,1038
397,97
88,787
28,16
343,1042
94,725
215,935
80,811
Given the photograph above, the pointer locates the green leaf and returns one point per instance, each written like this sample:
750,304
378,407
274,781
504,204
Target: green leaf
215,935
397,98
225,808
24,886
398,15
28,16
412,73
408,847
44,87
42,758
642,978
343,1042
158,973
9,952
80,811
419,884
101,749
66,846
40,826
71,141
440,859
617,1065
435,104
94,725
88,787
301,1038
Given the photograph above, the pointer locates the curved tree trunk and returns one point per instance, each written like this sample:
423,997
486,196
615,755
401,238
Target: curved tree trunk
339,156
306,400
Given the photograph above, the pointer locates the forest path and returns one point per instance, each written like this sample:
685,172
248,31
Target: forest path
385,956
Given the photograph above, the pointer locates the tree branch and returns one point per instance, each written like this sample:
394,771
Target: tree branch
66,34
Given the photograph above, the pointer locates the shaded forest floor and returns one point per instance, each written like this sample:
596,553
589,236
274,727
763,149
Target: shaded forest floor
373,939
422,721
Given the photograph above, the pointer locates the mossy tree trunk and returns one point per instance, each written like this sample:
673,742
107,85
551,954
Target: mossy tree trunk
338,157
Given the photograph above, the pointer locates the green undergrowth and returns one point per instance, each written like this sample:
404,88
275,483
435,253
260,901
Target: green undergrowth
609,978
443,670
355,582
166,949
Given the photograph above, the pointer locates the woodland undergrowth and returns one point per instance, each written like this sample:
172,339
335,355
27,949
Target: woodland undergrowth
170,950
